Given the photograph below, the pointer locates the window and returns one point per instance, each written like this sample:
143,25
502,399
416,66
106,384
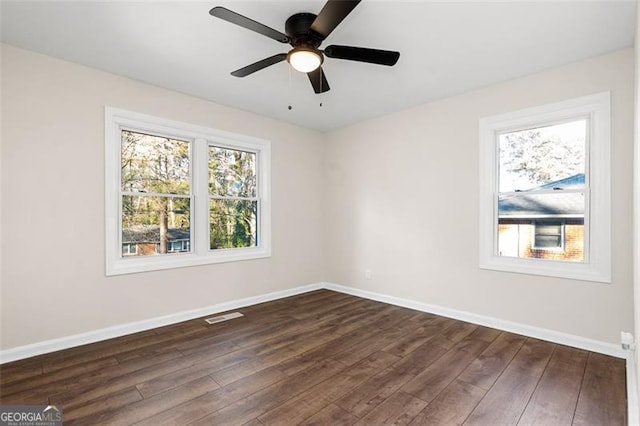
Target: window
178,246
544,190
549,235
180,195
129,249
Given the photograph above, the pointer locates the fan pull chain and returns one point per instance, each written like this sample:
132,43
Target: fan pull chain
289,94
321,80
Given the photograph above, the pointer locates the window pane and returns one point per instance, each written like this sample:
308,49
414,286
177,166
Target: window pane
544,158
154,223
232,173
154,164
526,226
233,223
548,229
548,241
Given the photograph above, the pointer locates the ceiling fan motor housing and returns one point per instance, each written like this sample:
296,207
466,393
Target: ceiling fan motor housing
298,28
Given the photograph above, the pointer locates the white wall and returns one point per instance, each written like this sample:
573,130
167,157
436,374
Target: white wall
53,204
402,201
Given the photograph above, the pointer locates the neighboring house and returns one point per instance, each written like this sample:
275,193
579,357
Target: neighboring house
145,240
544,225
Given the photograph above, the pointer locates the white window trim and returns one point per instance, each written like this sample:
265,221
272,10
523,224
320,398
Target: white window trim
201,138
597,266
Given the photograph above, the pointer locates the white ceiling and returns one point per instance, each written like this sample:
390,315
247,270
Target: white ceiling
446,48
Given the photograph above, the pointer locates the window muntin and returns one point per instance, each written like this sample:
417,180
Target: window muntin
584,197
142,191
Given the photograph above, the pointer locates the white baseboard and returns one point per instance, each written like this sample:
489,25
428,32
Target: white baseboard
67,342
513,327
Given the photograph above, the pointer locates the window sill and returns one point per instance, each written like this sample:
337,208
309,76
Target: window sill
555,268
134,264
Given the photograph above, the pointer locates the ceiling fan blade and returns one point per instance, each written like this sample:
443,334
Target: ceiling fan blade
257,66
318,80
333,12
235,18
362,54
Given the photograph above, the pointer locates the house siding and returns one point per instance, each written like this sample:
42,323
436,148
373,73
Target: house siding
516,240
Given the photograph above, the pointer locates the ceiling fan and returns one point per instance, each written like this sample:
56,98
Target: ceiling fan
306,32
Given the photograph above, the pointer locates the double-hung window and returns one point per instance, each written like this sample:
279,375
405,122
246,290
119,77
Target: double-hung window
544,190
179,195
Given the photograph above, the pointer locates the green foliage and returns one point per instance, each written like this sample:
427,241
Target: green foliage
233,223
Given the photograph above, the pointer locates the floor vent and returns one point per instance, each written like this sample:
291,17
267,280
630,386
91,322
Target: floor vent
221,318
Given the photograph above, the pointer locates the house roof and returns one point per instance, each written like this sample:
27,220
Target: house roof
533,204
151,234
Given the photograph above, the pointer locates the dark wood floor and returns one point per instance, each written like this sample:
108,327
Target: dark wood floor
323,358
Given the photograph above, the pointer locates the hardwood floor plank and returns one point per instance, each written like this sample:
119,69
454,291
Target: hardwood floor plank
399,409
17,371
422,357
507,399
428,384
149,407
177,378
295,347
457,332
79,382
374,391
532,358
363,349
328,350
330,415
554,400
57,375
88,353
29,397
78,396
414,339
597,405
93,408
262,401
452,406
309,402
484,370
210,402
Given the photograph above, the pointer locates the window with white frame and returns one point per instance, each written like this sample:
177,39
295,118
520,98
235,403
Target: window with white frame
544,190
549,235
180,195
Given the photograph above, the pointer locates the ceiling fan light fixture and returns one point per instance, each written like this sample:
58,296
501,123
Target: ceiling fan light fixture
304,59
